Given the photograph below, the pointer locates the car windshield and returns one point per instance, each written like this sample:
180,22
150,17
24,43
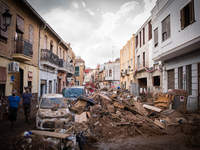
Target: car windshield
72,92
48,103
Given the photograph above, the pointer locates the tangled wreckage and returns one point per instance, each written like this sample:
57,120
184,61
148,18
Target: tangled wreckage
108,113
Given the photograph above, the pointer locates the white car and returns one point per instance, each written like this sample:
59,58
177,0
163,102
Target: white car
52,108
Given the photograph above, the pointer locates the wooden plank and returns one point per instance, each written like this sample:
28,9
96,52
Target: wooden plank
81,118
50,134
105,97
152,108
158,123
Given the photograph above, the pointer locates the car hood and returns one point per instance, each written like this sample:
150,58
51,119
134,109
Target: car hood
58,113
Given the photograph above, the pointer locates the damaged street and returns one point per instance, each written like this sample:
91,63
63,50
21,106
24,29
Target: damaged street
111,118
99,75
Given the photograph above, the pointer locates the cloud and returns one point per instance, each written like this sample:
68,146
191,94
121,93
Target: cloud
93,27
75,4
142,17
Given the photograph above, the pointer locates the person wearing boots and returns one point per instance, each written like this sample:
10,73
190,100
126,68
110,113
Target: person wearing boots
26,100
13,106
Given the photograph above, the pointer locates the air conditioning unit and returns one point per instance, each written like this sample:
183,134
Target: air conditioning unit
13,67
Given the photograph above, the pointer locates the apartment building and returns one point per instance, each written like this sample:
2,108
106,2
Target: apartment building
87,75
79,71
127,64
19,48
112,73
147,72
176,43
31,53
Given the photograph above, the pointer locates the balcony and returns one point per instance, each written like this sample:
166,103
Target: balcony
23,50
48,58
65,66
142,65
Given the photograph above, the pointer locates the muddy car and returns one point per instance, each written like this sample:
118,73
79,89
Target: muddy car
52,108
73,92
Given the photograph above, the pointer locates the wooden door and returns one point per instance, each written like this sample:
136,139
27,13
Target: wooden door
170,74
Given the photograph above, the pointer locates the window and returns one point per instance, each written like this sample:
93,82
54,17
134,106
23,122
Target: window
155,37
50,86
180,78
143,30
20,24
166,28
140,39
143,59
31,32
136,41
51,46
187,14
63,54
60,52
45,42
189,79
138,61
3,35
110,72
150,30
156,81
131,63
76,70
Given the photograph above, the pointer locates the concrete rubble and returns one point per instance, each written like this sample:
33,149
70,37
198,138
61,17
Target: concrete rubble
108,113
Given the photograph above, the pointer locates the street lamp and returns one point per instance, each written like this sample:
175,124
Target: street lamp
6,20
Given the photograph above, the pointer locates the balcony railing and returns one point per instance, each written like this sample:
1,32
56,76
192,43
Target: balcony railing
65,65
24,47
48,56
142,64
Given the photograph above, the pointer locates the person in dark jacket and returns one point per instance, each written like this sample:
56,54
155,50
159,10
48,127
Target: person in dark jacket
26,100
13,106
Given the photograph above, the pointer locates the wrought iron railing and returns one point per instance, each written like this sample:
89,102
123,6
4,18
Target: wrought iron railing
49,56
22,46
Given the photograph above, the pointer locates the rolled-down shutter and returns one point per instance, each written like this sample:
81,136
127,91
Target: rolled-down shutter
31,31
182,19
3,10
20,24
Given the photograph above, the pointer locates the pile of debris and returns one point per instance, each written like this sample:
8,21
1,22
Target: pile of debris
108,113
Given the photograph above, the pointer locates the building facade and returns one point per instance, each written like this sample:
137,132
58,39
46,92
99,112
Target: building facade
112,73
147,72
19,49
79,71
127,64
176,43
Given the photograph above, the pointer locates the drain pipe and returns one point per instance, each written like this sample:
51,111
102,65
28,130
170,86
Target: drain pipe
39,90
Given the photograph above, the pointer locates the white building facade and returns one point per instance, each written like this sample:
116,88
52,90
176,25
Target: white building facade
176,43
112,73
147,72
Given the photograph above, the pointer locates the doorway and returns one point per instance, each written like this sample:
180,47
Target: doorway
19,82
170,78
198,85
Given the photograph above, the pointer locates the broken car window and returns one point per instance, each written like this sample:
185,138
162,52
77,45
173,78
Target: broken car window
48,103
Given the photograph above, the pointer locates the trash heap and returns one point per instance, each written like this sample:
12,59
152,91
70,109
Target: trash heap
105,114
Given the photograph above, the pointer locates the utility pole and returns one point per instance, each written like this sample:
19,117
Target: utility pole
113,69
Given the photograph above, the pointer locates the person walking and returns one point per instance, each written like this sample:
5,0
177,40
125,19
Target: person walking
13,107
26,101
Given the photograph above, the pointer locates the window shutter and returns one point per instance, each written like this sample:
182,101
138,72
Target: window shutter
2,33
156,36
182,19
168,26
191,6
31,32
20,24
3,75
163,26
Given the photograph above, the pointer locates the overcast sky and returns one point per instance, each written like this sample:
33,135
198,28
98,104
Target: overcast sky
95,27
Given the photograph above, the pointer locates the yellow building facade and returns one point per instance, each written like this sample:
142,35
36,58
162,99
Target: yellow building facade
127,63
